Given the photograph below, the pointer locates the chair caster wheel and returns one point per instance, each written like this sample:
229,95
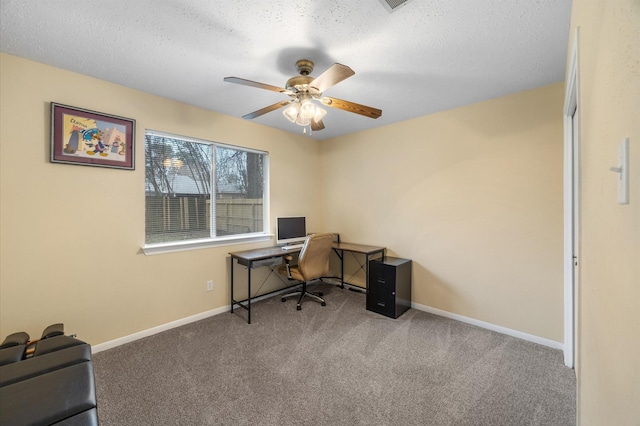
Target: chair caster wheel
283,299
320,293
323,304
299,307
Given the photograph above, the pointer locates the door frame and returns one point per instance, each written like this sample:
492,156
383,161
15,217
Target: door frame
571,205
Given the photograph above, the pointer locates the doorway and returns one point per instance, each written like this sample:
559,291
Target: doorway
571,259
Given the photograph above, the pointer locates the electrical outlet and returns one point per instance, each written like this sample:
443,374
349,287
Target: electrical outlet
209,285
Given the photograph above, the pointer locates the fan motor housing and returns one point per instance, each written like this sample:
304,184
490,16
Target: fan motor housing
299,82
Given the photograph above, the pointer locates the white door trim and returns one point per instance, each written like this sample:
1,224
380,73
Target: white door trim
570,204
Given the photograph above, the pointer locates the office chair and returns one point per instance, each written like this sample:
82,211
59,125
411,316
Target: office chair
313,263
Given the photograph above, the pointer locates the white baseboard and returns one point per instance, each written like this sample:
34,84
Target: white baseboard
514,333
177,323
155,330
173,324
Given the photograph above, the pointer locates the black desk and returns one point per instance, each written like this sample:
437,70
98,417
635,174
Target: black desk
248,257
367,251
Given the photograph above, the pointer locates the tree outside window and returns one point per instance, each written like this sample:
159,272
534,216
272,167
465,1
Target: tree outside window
184,175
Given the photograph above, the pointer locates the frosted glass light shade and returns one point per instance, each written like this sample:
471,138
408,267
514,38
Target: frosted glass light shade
303,121
291,112
307,108
319,114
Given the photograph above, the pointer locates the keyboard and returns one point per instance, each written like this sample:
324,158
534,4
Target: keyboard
292,246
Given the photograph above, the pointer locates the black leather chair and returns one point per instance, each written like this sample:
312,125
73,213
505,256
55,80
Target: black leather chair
50,383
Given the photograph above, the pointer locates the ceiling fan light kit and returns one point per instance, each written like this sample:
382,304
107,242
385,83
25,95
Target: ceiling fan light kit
303,90
303,112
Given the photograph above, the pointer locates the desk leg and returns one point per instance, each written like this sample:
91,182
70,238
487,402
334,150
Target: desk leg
233,302
366,274
340,255
366,271
231,259
341,269
249,292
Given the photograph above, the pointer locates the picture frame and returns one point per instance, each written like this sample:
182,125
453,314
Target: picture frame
89,138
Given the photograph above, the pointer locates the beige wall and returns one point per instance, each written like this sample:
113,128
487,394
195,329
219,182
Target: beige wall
71,235
609,287
473,196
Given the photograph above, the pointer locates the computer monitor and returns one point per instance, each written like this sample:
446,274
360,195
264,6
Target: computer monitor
291,229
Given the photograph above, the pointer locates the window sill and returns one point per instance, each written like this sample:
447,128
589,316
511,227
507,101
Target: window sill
164,248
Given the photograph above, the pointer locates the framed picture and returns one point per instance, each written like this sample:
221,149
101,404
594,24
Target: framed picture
89,138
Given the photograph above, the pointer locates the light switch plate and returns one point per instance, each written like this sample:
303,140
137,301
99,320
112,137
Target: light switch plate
623,176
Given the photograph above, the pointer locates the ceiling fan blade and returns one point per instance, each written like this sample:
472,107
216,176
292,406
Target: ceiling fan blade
265,110
317,125
251,83
351,107
332,76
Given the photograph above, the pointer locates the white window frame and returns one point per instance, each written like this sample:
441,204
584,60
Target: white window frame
202,243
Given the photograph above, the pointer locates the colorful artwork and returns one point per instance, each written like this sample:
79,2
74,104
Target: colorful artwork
91,138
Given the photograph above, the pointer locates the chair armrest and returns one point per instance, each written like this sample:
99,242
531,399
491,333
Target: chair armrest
38,365
15,339
52,331
49,398
11,355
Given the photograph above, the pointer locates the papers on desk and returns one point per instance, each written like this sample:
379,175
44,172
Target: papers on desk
292,246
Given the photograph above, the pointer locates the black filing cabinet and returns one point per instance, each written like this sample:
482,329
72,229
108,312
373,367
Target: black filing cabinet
389,289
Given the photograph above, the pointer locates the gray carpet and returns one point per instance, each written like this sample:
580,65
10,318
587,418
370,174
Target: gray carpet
333,365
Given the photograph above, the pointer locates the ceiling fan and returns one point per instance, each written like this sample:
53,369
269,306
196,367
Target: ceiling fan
303,90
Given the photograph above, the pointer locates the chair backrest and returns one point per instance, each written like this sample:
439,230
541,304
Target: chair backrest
313,261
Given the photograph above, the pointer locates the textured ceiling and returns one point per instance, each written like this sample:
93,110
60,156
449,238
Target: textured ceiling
424,57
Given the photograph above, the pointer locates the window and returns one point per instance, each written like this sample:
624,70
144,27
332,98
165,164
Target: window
198,191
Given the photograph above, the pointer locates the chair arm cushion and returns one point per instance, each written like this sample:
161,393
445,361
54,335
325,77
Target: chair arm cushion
12,354
55,343
50,397
36,366
86,418
53,330
15,339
